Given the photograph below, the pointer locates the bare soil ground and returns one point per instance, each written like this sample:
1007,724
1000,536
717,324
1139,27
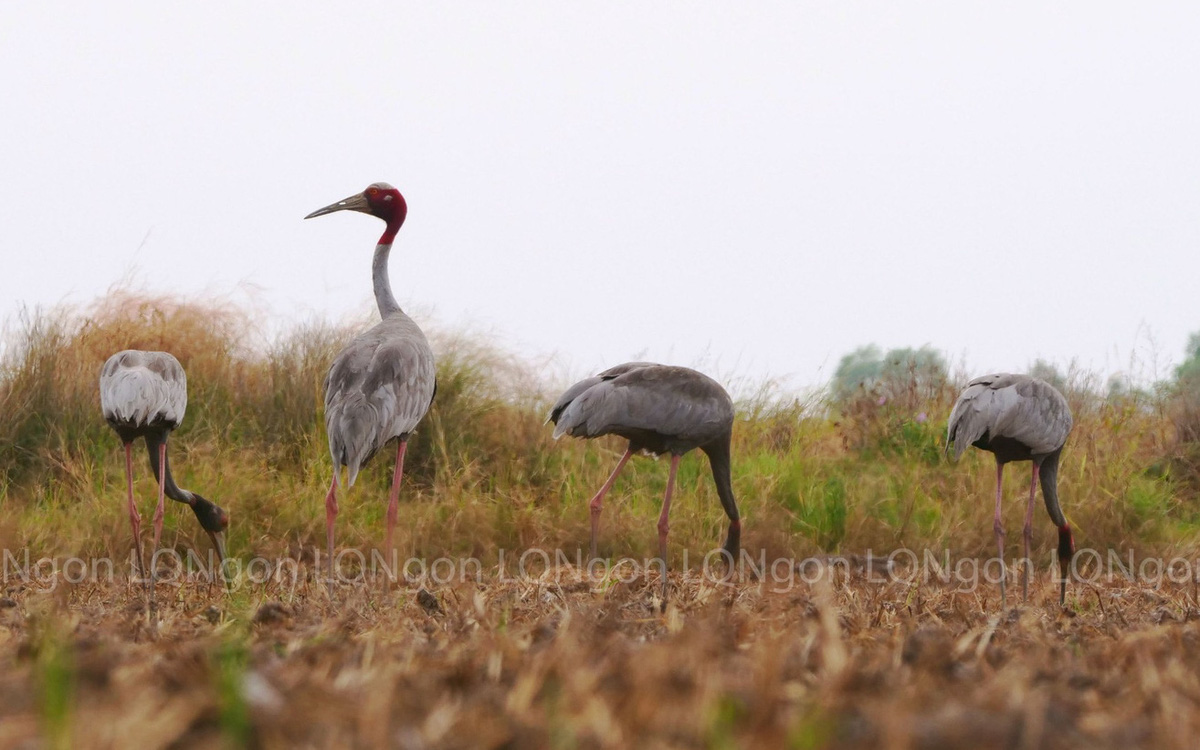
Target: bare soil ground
563,661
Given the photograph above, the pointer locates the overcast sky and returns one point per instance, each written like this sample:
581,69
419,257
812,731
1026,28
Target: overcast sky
761,187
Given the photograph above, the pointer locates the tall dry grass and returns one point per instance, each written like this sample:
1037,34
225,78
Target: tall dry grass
484,475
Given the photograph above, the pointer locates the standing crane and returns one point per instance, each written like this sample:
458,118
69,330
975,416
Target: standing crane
382,384
1018,418
658,409
144,395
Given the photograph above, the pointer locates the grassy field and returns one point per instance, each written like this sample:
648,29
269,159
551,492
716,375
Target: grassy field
484,652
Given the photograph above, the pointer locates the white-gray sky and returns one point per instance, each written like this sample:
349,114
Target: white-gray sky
761,186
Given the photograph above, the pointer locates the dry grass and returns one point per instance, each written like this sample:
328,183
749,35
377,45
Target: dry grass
572,662
538,663
483,473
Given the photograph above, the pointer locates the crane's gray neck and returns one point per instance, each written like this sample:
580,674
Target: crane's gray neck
1048,474
383,285
718,459
173,491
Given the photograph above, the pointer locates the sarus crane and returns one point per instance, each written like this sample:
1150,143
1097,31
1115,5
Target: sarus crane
658,409
144,395
382,384
1018,418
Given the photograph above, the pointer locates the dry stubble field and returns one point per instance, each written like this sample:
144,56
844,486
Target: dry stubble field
560,661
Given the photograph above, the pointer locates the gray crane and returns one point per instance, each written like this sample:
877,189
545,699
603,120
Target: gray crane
658,409
382,384
144,395
1018,418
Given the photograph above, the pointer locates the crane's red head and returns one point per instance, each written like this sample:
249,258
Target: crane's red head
214,520
379,199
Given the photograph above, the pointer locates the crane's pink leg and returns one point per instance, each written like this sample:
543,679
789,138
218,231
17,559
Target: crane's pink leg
597,503
393,508
663,526
135,518
331,511
159,512
1027,563
999,527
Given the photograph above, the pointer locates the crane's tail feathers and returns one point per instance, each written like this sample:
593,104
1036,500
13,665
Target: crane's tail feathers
569,418
954,441
347,481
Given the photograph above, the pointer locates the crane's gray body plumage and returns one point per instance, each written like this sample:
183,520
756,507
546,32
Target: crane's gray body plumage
1017,417
377,389
144,395
382,384
658,408
142,392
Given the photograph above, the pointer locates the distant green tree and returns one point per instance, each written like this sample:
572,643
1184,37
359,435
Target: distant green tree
1045,371
1119,386
1184,404
906,374
1188,373
920,372
857,371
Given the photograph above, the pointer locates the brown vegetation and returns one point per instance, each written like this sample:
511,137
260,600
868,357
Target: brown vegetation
539,663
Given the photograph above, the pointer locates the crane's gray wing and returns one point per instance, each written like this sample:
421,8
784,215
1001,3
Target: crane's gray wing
573,392
1014,406
673,401
378,388
567,397
619,370
139,388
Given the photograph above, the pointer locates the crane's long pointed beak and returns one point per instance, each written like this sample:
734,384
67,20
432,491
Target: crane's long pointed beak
356,202
218,540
